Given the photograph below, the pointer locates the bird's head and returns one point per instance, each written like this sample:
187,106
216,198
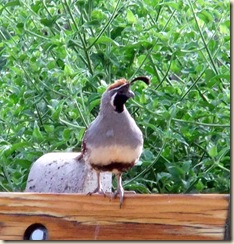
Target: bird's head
118,93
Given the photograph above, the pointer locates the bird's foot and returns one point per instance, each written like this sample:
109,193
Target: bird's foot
120,193
99,191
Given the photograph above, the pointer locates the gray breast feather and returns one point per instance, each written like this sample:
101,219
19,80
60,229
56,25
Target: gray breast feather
121,130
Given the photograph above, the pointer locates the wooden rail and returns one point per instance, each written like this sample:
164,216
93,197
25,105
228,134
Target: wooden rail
142,217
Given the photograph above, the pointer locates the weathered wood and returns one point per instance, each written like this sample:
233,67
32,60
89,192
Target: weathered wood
228,224
142,217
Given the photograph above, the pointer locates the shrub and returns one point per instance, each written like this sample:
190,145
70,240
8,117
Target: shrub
57,57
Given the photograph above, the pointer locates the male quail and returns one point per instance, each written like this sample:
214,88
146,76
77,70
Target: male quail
113,142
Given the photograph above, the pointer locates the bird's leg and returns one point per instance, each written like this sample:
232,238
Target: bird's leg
120,190
99,189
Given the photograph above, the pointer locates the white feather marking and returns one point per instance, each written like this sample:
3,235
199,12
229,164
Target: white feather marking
112,100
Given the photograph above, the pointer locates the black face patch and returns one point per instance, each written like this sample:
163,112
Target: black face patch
119,101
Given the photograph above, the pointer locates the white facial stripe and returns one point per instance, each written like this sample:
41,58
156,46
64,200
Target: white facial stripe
112,100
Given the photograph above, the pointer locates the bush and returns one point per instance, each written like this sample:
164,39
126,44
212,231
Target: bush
57,57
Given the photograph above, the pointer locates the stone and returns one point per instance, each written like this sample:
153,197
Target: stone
62,172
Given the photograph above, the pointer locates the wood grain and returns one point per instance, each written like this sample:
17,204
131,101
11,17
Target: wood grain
142,217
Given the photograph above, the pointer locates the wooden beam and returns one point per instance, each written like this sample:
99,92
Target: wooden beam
142,217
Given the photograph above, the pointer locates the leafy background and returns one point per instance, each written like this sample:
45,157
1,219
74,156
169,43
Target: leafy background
57,57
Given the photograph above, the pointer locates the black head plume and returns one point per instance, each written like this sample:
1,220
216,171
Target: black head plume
142,78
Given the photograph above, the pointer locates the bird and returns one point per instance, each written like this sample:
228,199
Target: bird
113,142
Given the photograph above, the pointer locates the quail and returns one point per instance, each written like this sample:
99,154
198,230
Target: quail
113,141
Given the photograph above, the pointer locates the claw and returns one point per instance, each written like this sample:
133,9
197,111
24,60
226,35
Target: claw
121,197
99,189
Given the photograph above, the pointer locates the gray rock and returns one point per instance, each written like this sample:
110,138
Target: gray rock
64,173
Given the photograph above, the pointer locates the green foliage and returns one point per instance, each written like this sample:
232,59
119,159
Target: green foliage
57,57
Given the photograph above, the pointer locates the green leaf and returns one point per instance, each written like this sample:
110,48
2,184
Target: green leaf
173,5
7,150
147,155
49,22
98,15
103,40
209,74
91,23
131,17
213,151
224,29
23,162
162,36
12,4
205,16
67,134
36,132
49,128
138,187
117,32
36,7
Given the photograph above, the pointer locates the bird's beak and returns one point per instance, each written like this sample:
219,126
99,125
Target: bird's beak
130,93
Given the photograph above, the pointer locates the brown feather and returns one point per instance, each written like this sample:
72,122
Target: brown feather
117,83
119,166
